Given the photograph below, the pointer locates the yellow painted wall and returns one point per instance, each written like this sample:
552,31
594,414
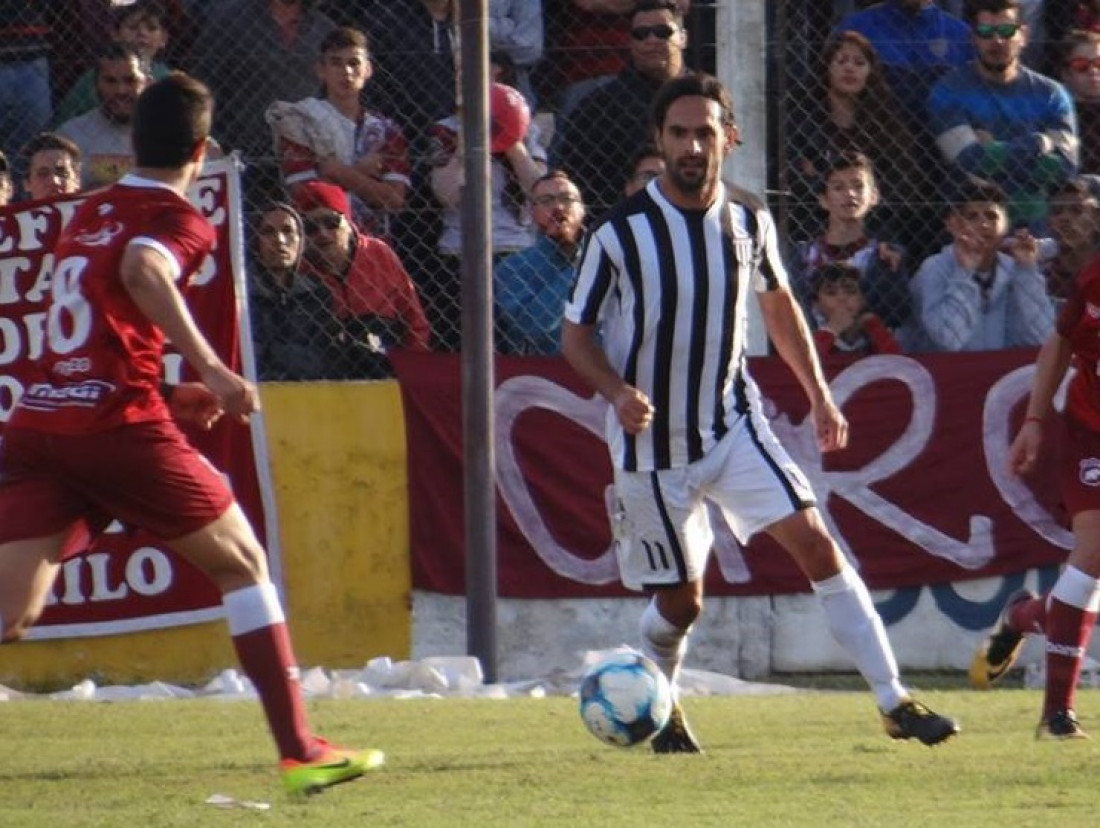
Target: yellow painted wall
337,454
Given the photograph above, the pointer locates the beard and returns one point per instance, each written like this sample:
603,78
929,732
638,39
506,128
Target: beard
693,179
995,67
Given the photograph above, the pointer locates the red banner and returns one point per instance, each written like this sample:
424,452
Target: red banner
922,495
129,581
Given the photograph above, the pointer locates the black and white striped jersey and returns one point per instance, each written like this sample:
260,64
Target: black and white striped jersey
669,289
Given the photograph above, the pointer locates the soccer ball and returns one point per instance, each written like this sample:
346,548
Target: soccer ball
625,699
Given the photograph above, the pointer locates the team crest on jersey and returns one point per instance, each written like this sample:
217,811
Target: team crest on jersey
1089,471
1092,310
101,236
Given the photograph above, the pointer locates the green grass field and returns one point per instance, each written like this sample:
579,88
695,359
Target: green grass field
808,759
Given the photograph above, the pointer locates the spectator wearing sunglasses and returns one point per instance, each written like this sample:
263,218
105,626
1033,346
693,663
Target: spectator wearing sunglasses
372,295
594,142
1003,122
1081,75
847,325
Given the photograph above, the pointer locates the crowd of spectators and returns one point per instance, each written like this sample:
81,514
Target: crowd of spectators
930,152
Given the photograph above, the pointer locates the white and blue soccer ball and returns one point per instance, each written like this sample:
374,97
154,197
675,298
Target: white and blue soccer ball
625,699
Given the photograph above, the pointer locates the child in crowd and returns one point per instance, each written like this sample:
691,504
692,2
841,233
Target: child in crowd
848,194
337,139
984,291
847,326
142,27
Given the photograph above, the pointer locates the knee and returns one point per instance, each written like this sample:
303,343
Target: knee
243,566
680,608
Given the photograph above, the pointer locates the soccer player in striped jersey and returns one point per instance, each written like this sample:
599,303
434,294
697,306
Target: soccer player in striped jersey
656,323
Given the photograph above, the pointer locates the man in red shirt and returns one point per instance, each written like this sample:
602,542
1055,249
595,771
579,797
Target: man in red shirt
1067,614
93,438
372,295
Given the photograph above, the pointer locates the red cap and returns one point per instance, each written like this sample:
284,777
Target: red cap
310,195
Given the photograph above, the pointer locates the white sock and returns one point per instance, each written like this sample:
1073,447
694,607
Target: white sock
859,630
663,642
1078,589
252,607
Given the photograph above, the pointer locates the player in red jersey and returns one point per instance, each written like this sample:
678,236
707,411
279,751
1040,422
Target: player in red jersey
93,438
1067,614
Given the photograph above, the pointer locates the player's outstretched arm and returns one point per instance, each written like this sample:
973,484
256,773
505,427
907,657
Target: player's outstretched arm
791,336
147,276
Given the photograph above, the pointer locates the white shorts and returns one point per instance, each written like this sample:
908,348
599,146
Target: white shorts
660,520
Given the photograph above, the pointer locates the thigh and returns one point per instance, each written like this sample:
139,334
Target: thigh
37,499
226,550
662,531
754,481
147,475
1079,469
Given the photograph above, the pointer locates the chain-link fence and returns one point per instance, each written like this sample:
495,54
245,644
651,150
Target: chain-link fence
931,95
587,70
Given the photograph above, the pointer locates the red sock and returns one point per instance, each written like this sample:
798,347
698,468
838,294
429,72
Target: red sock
267,659
1068,631
1029,616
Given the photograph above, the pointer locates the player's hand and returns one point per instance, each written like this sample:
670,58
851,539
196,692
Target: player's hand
238,396
1025,448
633,409
193,402
830,426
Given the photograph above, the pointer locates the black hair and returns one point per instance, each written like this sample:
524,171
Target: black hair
171,118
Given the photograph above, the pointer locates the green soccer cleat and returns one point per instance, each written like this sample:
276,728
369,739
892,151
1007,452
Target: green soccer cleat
1000,649
912,720
675,736
333,766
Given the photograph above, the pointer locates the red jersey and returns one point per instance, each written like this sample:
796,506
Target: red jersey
101,361
1079,323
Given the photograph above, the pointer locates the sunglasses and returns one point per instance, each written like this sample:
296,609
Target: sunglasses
1082,65
328,222
1005,31
661,30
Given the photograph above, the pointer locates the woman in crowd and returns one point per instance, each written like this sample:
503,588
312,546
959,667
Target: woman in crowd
850,110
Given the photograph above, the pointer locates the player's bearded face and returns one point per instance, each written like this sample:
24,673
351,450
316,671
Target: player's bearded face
694,142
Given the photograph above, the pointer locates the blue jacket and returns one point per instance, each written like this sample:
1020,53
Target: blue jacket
531,287
1034,128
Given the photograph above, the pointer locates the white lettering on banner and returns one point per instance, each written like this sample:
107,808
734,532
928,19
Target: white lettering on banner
208,196
995,428
16,344
87,579
513,398
519,394
855,486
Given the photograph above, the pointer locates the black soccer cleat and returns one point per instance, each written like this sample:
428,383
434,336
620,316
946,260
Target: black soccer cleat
912,720
1062,725
675,736
1000,649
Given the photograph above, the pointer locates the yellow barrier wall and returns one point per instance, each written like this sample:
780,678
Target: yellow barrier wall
337,454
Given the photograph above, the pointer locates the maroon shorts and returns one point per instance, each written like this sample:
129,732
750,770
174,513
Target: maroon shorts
1080,467
145,474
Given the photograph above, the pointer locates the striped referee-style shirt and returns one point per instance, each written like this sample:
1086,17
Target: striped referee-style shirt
669,289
